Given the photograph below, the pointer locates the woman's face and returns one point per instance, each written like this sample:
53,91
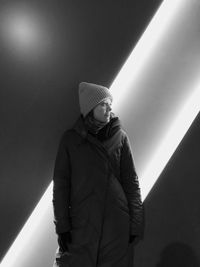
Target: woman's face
102,110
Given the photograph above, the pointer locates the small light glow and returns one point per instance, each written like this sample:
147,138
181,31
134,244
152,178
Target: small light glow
24,32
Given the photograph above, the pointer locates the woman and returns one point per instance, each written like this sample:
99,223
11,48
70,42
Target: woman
96,197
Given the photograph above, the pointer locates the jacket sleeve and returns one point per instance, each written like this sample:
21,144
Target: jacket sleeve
130,184
61,188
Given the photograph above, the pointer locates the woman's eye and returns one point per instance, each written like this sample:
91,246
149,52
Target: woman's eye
105,105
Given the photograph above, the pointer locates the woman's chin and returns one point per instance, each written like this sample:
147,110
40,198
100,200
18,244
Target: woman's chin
107,118
104,118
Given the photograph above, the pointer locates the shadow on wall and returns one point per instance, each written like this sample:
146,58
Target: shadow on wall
178,255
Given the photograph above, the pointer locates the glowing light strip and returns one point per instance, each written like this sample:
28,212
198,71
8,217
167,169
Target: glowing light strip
29,230
142,51
170,142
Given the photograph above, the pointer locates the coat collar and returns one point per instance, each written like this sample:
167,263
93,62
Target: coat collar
80,128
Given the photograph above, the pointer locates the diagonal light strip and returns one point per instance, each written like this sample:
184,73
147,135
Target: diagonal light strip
133,65
170,142
159,25
29,230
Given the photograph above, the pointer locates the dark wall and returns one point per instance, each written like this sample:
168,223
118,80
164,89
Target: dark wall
172,234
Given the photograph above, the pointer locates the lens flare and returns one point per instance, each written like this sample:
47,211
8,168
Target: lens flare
24,33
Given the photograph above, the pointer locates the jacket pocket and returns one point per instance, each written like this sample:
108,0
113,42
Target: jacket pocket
80,210
117,193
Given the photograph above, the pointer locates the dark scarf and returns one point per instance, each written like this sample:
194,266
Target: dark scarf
102,130
93,125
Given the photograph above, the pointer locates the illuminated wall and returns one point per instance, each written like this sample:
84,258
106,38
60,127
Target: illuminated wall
172,233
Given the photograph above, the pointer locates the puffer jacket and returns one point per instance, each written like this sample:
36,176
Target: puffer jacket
96,196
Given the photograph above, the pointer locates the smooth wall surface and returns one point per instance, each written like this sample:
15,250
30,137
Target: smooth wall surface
172,235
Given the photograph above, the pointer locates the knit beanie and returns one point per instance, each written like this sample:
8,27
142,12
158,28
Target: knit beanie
90,95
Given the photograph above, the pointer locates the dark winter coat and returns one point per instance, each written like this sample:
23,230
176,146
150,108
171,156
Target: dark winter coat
96,196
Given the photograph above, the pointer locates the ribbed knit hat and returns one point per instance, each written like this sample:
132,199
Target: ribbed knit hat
90,95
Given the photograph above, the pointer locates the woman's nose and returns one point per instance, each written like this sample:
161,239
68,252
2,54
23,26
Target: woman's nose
109,108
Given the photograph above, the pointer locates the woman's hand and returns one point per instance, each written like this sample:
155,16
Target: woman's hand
63,240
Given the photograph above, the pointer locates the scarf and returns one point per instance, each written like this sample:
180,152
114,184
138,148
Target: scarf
102,130
92,124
